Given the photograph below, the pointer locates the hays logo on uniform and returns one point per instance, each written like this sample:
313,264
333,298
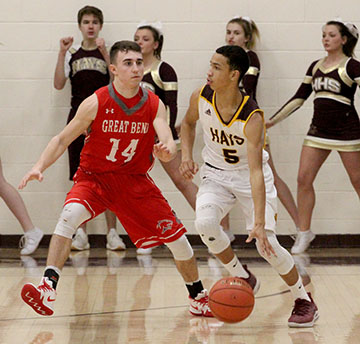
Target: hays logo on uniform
164,225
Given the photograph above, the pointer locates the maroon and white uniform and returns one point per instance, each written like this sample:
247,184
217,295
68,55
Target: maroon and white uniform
249,82
251,77
113,169
335,123
87,71
162,80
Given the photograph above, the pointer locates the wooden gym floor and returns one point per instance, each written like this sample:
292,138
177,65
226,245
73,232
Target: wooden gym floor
118,297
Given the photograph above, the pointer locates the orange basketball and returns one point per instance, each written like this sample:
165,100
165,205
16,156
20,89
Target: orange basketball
231,299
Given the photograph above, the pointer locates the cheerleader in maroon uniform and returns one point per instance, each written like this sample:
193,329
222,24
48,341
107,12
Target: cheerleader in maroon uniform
243,32
161,78
335,124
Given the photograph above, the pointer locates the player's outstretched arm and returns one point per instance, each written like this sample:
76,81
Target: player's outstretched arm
56,147
254,132
188,168
165,149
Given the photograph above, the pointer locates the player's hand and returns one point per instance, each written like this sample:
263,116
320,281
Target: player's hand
66,43
258,232
188,169
31,175
100,43
162,152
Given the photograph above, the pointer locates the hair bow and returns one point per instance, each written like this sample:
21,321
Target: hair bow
350,26
156,25
245,18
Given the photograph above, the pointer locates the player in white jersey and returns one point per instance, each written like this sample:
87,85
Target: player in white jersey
235,169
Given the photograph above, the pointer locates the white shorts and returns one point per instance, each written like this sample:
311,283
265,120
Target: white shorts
225,188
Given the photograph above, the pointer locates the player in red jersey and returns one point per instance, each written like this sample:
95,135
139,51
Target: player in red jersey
122,120
335,124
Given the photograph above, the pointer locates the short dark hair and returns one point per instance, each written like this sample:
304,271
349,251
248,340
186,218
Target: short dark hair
158,37
124,46
90,10
237,58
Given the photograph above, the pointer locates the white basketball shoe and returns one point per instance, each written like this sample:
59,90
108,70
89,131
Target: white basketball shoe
40,298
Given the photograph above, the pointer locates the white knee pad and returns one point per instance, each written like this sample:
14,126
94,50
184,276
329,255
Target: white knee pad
72,216
181,249
207,224
283,262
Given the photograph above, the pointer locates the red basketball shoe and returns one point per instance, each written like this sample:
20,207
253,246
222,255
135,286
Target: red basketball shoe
252,280
304,314
41,298
200,305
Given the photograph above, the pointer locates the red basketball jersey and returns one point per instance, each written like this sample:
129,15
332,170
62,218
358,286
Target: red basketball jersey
120,138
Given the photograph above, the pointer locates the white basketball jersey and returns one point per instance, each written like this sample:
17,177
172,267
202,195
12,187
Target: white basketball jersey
225,143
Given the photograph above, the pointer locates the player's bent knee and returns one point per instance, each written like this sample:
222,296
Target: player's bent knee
283,262
72,216
181,249
212,235
207,224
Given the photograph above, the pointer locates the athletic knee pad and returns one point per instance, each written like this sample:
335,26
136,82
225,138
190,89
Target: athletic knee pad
207,224
283,262
181,249
72,216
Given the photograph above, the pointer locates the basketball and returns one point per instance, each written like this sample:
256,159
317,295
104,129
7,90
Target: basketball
231,299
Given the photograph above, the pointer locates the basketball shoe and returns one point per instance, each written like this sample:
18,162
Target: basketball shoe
252,280
41,298
200,305
302,242
114,242
30,241
304,313
80,241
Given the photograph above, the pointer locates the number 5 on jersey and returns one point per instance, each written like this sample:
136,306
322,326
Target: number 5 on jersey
128,152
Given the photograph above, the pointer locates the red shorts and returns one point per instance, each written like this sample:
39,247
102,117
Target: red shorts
135,199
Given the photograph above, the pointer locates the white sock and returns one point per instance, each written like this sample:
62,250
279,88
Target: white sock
298,291
235,268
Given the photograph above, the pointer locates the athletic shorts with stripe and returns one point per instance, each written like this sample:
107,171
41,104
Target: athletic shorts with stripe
226,188
135,199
